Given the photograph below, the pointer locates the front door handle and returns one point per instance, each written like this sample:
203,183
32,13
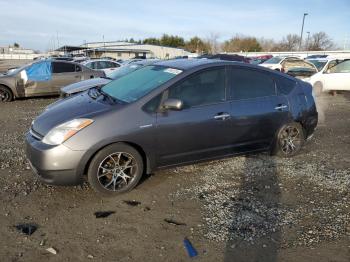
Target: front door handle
222,116
280,107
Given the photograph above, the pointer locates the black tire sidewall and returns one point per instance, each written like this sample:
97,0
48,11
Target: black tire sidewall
7,90
276,145
102,154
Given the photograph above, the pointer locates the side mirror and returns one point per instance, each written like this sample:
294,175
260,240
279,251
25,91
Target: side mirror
172,104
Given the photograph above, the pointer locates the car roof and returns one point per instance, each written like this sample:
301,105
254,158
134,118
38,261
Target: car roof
186,64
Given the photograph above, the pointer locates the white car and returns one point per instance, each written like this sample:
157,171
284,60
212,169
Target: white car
281,63
105,65
335,75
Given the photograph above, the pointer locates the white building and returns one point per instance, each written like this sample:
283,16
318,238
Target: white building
126,50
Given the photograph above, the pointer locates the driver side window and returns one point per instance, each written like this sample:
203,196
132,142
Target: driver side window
203,88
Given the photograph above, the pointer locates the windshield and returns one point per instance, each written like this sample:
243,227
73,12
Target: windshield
19,69
318,63
135,85
273,60
123,70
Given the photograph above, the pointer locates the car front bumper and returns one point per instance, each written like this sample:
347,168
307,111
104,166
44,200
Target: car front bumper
56,165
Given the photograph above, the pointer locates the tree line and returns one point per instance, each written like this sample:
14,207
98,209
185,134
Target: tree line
241,43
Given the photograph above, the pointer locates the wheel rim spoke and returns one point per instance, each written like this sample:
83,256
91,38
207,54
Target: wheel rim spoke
116,171
290,140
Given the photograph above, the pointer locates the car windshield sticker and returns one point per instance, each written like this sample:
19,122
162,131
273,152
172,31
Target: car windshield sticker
173,71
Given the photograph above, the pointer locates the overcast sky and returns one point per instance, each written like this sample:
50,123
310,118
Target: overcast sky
36,23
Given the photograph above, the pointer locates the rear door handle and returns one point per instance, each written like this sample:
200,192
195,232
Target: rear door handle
281,107
222,116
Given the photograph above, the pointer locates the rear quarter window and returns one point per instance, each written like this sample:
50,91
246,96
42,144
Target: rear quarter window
285,85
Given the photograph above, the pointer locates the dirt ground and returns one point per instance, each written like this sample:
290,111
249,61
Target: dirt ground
249,208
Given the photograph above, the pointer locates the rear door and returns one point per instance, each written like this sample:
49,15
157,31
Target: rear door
64,73
257,111
202,129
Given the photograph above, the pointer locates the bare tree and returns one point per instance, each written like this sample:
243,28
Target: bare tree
266,44
320,41
213,42
288,43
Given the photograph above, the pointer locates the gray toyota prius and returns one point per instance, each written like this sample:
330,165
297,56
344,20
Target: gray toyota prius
169,113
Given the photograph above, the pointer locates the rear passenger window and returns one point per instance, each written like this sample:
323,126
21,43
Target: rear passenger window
246,84
206,87
285,85
61,67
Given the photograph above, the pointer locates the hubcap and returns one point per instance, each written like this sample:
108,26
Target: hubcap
290,140
117,171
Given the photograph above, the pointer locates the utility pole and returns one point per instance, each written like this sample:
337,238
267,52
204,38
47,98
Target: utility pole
307,41
302,29
104,45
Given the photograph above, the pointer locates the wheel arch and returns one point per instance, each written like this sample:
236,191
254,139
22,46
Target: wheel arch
146,160
9,88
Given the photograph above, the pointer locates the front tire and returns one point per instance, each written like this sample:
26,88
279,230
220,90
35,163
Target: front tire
289,140
5,94
115,169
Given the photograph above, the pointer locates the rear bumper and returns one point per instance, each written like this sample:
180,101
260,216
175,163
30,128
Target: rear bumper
310,125
56,165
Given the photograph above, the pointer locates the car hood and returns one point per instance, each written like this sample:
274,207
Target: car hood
84,85
79,106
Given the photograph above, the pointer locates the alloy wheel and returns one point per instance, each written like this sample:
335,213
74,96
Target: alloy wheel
4,96
290,140
116,171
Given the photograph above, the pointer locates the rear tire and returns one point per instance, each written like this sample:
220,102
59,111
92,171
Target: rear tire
6,94
115,169
289,140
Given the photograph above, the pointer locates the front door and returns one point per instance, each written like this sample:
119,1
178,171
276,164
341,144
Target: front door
36,79
202,129
338,77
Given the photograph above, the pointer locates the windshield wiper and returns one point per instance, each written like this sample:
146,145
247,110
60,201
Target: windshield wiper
107,95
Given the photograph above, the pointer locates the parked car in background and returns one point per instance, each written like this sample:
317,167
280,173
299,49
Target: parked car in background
44,77
334,76
295,66
302,72
226,57
170,113
99,82
278,62
316,56
318,62
255,60
105,65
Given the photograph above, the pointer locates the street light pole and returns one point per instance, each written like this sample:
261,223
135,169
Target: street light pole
302,29
307,41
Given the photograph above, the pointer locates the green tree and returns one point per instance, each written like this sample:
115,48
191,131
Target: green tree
16,45
151,41
242,43
172,41
195,44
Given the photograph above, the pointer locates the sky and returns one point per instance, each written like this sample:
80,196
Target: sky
45,24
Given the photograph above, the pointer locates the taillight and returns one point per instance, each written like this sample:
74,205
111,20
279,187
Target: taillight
282,69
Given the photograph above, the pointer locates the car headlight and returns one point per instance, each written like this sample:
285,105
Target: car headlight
61,133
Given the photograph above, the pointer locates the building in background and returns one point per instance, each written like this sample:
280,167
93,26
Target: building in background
124,50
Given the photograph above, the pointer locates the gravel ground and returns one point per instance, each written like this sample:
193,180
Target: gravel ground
249,208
